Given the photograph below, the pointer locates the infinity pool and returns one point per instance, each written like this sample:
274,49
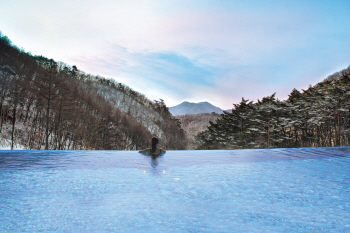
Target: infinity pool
272,190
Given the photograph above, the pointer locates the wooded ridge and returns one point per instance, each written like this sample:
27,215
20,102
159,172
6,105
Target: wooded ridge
316,117
46,104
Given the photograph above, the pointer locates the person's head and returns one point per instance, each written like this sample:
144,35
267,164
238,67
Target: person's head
154,143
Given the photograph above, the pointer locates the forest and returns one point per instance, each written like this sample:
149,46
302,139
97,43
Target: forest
50,105
316,117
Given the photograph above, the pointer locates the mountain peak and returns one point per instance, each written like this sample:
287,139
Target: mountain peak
194,108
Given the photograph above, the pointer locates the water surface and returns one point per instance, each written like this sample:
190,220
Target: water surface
272,190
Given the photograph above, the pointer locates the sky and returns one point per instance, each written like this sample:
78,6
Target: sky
189,50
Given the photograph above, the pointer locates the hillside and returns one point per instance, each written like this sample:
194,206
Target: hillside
194,108
46,104
316,117
194,124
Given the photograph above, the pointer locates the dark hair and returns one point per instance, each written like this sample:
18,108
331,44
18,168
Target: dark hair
154,144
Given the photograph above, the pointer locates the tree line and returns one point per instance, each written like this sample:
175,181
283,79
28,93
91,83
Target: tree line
46,104
316,117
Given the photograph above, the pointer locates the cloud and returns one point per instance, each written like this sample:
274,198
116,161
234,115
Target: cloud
189,50
154,72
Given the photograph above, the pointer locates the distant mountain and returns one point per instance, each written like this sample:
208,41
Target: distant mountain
194,108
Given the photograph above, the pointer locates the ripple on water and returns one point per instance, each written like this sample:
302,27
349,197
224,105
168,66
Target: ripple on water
272,190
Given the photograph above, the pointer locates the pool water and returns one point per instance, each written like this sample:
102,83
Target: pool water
267,190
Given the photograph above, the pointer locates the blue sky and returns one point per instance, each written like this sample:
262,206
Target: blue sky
215,51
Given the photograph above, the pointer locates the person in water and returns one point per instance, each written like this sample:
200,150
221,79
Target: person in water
154,150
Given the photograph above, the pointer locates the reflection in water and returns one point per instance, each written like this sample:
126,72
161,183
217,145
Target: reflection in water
154,157
155,163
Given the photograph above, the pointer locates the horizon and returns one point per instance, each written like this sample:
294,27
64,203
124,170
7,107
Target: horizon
194,51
